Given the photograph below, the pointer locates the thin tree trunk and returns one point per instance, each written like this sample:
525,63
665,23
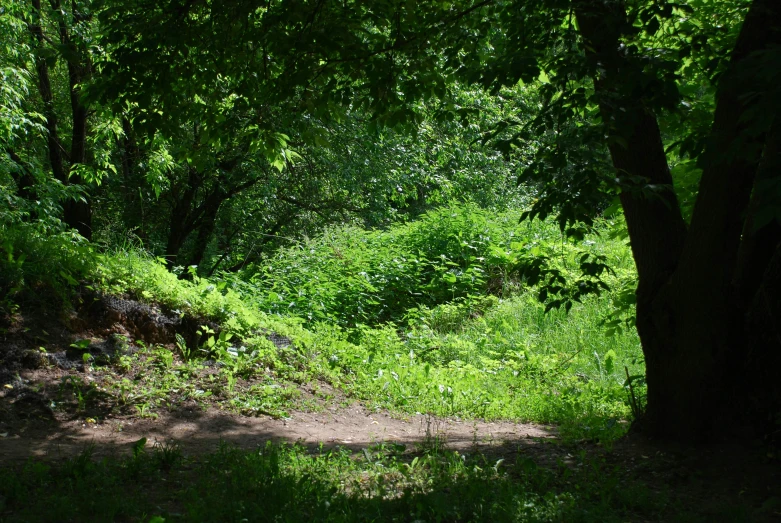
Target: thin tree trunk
208,220
130,155
55,148
78,213
182,222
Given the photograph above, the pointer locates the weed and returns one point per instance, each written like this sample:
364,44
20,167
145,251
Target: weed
144,411
181,344
167,454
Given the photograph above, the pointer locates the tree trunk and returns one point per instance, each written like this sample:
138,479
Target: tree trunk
77,214
703,359
55,149
182,221
208,220
130,156
688,316
762,391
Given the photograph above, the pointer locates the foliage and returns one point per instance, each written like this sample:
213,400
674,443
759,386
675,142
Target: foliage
37,262
471,357
215,133
456,252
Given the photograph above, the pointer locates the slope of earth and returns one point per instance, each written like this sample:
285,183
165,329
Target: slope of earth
56,400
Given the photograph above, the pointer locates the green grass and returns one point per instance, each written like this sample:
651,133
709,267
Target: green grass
284,483
504,360
515,362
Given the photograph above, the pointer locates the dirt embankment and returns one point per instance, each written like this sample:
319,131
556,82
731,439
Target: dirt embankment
35,422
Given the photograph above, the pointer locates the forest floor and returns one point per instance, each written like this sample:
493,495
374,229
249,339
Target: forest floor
52,408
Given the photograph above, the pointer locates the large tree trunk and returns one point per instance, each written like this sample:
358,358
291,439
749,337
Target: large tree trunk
762,390
689,318
704,359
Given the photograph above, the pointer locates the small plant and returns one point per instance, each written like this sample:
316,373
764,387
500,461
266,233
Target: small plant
167,454
144,411
212,346
139,447
125,363
81,344
184,350
165,358
231,379
75,384
125,390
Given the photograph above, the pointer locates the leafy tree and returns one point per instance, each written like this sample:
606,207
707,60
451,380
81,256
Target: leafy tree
694,304
671,107
707,298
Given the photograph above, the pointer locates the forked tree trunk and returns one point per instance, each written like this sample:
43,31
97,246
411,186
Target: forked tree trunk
690,316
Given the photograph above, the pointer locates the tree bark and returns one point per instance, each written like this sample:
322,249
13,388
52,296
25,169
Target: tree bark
703,361
78,213
762,392
759,237
182,221
55,149
656,227
691,329
207,222
130,156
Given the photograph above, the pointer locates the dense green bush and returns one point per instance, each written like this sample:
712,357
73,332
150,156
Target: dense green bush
34,259
457,253
357,276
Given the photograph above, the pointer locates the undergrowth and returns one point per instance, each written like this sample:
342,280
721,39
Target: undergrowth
283,483
352,276
438,316
432,317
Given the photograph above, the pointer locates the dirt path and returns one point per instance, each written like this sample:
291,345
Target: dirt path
199,431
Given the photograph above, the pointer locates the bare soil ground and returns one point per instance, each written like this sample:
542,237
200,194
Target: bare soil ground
198,431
